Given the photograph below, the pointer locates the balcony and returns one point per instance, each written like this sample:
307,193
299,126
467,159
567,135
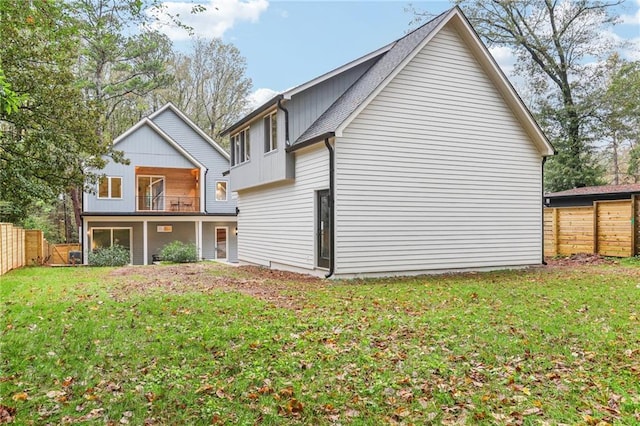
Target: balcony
162,203
167,189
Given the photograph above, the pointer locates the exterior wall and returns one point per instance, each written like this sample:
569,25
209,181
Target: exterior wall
276,223
584,200
181,231
143,147
208,237
437,174
136,237
204,152
263,168
305,107
184,229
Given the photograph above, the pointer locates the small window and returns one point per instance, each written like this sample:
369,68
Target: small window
221,191
240,147
110,187
270,132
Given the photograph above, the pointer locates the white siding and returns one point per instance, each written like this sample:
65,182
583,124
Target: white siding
436,173
276,223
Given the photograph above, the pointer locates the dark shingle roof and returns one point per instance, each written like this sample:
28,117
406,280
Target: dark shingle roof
597,190
346,104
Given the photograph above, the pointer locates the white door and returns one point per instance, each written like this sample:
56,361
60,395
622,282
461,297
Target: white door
222,243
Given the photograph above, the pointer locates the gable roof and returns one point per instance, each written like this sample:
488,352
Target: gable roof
287,94
597,190
333,121
147,122
191,124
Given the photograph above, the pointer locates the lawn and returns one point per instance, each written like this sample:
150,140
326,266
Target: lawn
212,344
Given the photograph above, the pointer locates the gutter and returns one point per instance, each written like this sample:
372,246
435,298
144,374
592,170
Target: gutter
331,208
544,160
308,142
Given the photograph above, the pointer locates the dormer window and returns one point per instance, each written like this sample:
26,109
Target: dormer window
271,132
240,147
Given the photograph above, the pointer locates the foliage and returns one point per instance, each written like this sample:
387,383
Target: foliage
115,255
210,85
552,41
122,59
161,345
179,252
9,100
50,139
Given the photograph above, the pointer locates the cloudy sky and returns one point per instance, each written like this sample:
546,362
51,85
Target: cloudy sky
289,42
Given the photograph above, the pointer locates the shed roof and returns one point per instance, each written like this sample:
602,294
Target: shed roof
596,190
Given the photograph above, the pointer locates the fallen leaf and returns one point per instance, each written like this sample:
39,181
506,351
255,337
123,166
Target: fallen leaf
20,396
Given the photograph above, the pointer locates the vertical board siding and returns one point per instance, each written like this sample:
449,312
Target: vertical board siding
306,106
276,224
201,150
436,173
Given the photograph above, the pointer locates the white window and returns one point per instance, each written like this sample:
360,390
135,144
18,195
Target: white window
221,190
240,147
110,187
271,132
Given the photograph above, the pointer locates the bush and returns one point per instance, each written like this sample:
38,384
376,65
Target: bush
179,252
110,256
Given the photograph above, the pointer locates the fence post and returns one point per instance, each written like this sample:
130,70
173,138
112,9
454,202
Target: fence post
556,231
595,227
634,224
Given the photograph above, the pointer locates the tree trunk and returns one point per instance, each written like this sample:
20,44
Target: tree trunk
77,207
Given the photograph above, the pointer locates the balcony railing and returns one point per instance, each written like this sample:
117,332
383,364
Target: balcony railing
167,203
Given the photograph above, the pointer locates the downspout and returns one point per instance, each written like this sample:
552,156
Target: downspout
331,208
544,160
286,122
205,190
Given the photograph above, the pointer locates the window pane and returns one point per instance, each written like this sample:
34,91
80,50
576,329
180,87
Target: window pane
221,191
267,126
101,238
121,238
103,187
116,187
247,146
274,132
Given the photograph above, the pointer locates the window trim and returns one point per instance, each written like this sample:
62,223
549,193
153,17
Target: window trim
226,190
109,197
244,143
270,145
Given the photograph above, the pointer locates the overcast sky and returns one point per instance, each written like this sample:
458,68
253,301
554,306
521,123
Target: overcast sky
289,42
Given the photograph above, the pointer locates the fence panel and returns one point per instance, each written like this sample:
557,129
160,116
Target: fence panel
609,228
615,228
575,230
11,247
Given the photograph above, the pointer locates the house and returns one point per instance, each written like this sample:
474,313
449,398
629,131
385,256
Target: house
593,219
417,157
172,190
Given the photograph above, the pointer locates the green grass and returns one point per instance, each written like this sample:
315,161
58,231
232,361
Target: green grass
512,347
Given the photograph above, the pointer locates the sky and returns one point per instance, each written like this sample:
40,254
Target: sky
287,43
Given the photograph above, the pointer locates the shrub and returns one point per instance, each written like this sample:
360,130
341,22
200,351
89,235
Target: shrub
110,256
179,252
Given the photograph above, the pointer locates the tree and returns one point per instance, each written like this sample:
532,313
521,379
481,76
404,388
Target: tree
552,39
49,138
616,118
210,85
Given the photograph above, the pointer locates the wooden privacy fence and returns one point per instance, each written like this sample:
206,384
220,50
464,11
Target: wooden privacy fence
20,247
608,228
11,247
